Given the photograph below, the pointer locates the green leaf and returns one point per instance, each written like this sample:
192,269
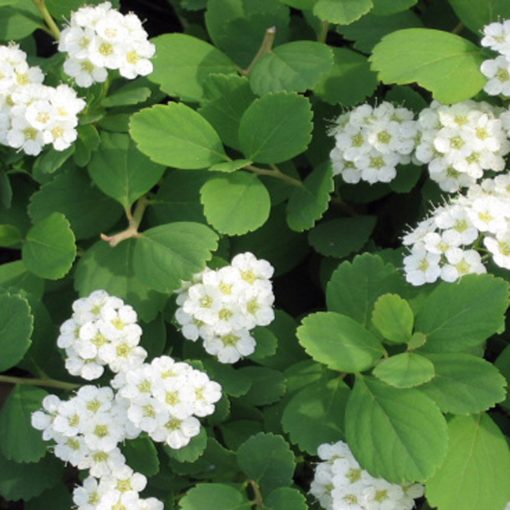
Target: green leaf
213,496
342,236
464,384
176,135
192,451
127,94
396,434
342,12
458,316
276,128
59,496
183,62
15,274
19,21
231,166
267,344
121,171
386,7
10,236
168,254
294,67
63,8
367,277
111,269
350,80
178,197
370,29
235,204
267,385
233,382
475,15
315,415
51,160
71,193
20,441
308,203
339,342
49,249
405,370
445,64
142,456
503,364
227,98
286,498
268,460
25,481
393,317
475,473
238,26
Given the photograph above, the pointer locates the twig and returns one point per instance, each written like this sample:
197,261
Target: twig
259,501
134,220
276,173
324,32
50,22
459,27
50,383
265,48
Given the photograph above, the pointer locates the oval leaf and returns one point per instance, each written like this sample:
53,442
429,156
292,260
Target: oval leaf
276,128
293,67
405,370
393,318
475,473
396,434
235,204
176,135
444,63
49,249
165,256
183,62
339,342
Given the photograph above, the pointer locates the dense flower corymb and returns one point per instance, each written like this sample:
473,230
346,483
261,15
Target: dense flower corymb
460,142
99,39
340,483
445,246
33,115
370,142
222,306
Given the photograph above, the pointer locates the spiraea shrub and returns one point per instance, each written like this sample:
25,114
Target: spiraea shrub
255,254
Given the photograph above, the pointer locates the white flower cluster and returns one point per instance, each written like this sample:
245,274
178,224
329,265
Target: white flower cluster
341,484
497,70
100,38
119,490
371,141
222,306
164,399
461,141
102,331
33,115
444,245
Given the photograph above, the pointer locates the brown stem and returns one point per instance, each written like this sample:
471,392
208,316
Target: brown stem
265,48
50,383
324,32
134,219
346,208
48,19
459,27
259,501
276,173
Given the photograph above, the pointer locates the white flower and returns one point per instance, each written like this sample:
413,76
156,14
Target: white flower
221,307
340,483
422,267
370,142
99,39
499,248
460,142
